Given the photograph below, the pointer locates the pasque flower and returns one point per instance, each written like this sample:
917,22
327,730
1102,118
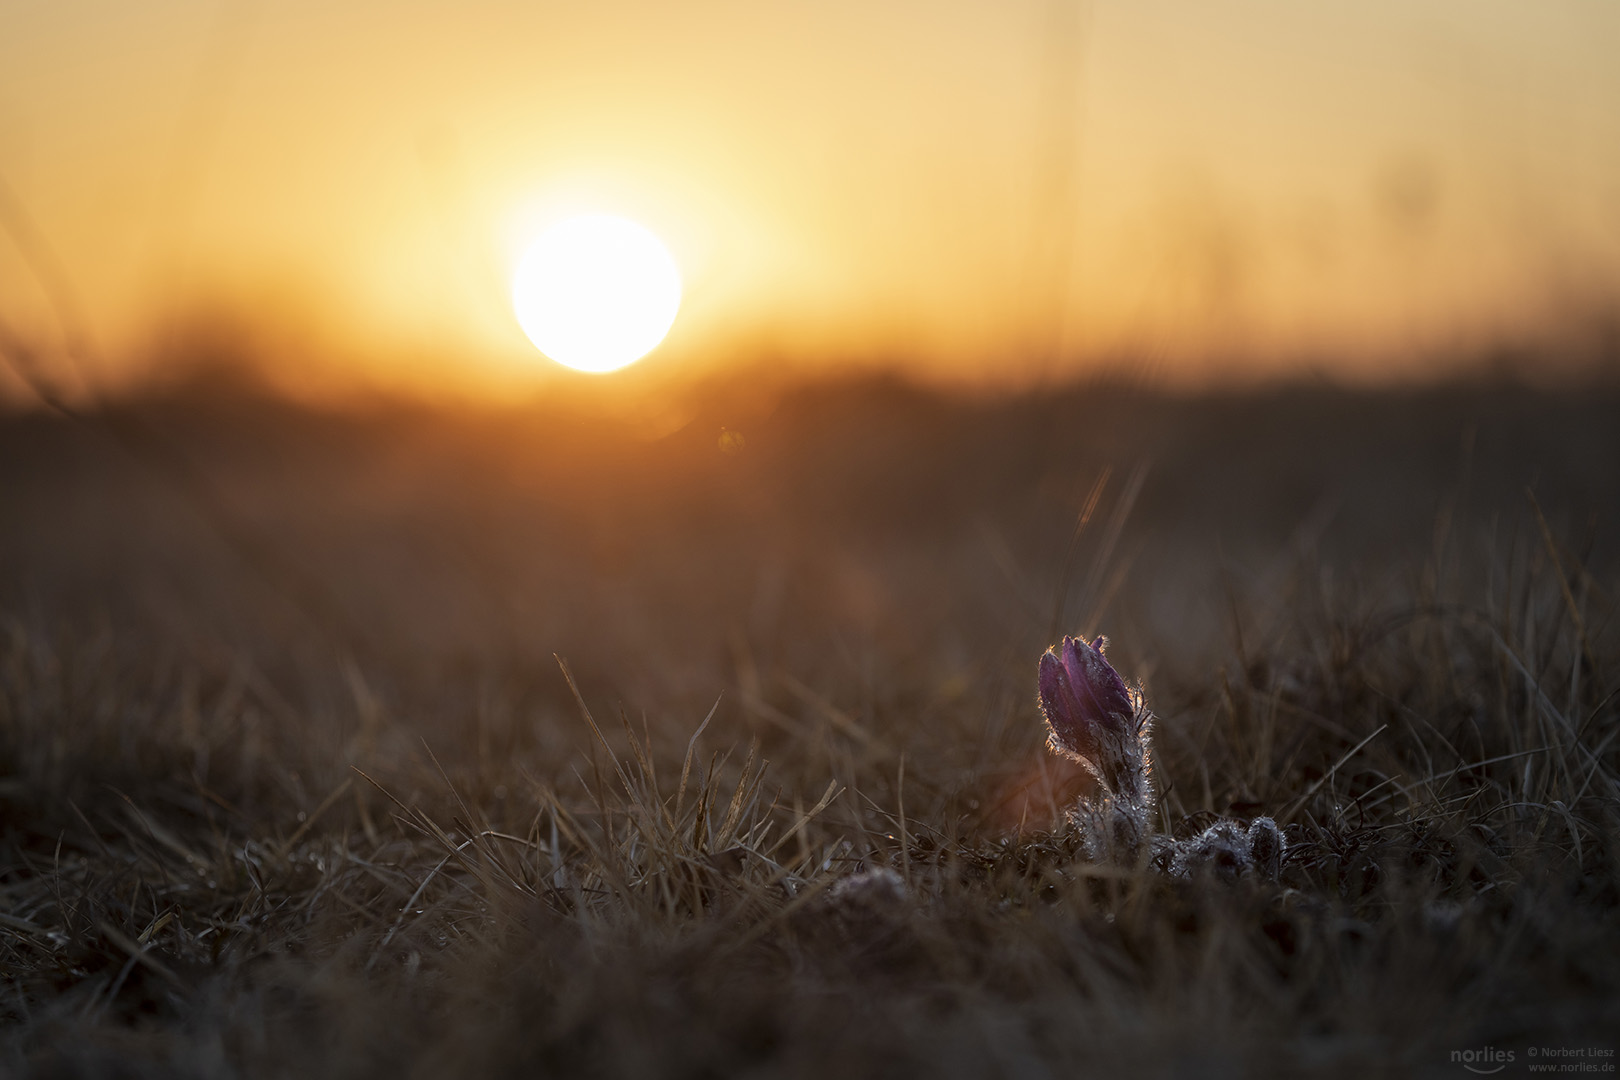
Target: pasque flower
1095,718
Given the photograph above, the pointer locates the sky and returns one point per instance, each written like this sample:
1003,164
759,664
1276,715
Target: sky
989,193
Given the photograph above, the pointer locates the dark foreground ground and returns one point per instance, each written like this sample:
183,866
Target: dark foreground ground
291,784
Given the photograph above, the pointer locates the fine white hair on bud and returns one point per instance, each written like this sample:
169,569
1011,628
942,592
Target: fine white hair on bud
1220,851
1267,847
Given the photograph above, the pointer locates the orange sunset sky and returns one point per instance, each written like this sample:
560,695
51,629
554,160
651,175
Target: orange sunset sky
981,192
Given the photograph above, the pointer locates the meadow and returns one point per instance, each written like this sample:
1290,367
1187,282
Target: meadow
395,740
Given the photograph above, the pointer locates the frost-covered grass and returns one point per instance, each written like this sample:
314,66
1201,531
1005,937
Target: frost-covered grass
315,798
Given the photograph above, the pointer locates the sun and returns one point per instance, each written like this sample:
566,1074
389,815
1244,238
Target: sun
596,292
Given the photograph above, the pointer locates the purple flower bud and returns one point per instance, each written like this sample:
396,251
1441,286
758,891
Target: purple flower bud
1085,701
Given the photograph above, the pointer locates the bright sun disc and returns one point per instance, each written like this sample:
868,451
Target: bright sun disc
596,292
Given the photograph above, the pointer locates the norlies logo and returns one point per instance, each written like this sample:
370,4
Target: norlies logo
1484,1061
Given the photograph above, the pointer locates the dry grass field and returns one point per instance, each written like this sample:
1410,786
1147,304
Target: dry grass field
293,783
